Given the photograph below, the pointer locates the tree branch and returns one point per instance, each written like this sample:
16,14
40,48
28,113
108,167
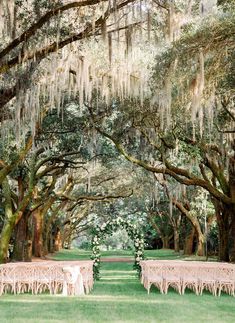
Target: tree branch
31,31
93,198
43,52
181,175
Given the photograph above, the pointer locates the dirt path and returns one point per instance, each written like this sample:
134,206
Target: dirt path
118,259
104,259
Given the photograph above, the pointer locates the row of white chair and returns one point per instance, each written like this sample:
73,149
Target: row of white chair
215,277
54,277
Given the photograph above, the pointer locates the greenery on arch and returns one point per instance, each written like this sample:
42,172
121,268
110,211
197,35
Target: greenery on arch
108,228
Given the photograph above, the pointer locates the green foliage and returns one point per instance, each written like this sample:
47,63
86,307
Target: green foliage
185,52
118,240
108,228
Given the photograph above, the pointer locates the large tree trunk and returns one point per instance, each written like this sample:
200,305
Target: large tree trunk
197,231
200,245
57,240
223,226
222,216
12,218
232,207
176,240
23,245
38,225
46,241
232,238
165,242
163,236
37,233
188,246
66,238
5,239
223,246
9,222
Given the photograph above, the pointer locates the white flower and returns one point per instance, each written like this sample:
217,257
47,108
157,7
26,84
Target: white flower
103,226
137,258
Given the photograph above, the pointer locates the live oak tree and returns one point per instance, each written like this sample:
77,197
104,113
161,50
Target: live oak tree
46,56
190,115
42,61
45,185
43,42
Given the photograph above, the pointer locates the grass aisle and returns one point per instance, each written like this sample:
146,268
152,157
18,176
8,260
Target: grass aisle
117,297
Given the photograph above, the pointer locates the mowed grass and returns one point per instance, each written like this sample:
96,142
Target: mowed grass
75,254
117,297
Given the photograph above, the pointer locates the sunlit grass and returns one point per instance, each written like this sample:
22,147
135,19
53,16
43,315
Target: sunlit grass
117,297
75,254
171,254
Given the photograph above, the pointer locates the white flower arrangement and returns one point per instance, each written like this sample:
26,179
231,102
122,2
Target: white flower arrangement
133,232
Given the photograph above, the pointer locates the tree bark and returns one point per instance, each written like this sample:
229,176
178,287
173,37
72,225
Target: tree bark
46,240
57,240
200,245
232,208
9,222
165,242
223,244
39,226
23,245
176,240
188,246
37,236
232,238
5,239
222,216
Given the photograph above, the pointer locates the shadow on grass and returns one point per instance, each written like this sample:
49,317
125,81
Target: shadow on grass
117,297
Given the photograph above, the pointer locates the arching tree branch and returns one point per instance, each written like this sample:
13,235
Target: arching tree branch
45,51
31,31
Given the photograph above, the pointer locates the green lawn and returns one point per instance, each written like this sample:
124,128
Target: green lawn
74,254
118,297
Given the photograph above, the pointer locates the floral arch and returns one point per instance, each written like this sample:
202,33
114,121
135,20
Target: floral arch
105,229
